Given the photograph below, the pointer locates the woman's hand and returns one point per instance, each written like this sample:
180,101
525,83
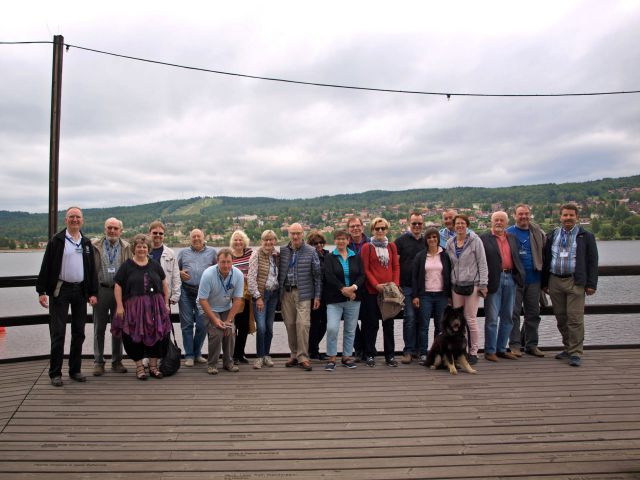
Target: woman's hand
416,302
260,304
380,288
120,311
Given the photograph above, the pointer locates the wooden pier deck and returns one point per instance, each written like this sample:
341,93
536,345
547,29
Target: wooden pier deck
518,419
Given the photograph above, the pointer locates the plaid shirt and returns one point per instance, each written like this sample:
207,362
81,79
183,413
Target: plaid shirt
563,251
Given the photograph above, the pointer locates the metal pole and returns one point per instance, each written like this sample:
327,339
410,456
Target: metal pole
54,136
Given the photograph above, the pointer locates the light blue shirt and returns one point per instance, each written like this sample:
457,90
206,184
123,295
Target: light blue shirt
218,291
195,263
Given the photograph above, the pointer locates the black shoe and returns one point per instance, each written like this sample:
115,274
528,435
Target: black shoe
241,359
78,377
473,359
371,362
314,356
322,356
391,362
56,381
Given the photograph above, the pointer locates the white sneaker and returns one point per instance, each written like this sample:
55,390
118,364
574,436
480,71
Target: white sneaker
200,359
258,363
267,361
188,362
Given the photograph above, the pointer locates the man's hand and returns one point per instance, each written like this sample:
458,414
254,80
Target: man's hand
416,302
589,291
44,301
316,303
93,300
184,276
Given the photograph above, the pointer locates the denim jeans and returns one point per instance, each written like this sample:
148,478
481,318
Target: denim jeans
409,325
189,316
499,305
431,304
264,322
336,312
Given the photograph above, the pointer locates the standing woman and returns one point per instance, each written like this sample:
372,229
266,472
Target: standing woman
263,286
142,307
343,282
469,276
431,287
239,244
318,317
381,265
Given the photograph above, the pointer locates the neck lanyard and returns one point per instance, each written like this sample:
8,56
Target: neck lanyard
294,259
112,252
77,245
228,285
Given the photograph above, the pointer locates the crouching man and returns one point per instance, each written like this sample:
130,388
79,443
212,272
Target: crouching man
220,297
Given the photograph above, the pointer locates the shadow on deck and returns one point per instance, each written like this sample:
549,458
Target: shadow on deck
518,419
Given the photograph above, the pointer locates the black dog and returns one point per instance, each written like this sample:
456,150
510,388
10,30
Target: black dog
449,347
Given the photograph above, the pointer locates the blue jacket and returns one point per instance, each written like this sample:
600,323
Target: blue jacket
308,271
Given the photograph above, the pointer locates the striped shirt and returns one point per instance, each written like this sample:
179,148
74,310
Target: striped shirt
242,262
563,251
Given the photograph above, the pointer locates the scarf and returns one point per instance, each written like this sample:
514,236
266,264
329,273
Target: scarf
381,251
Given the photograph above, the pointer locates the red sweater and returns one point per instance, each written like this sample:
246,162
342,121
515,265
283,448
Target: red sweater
374,272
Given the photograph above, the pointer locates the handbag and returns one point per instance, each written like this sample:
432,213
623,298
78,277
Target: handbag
465,290
170,361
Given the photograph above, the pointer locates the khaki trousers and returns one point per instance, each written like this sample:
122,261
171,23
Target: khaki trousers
218,341
567,300
296,315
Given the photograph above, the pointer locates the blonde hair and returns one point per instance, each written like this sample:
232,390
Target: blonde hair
241,234
377,220
269,233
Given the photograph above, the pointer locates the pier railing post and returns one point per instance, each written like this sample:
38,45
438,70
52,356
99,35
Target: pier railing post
54,136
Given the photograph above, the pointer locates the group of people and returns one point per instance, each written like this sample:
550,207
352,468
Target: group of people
225,295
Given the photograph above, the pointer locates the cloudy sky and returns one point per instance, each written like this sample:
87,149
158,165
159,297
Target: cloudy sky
134,132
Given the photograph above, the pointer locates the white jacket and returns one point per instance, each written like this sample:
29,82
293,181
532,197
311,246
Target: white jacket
169,263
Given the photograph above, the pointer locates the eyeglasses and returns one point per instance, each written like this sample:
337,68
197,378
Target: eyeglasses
355,226
417,224
431,237
380,229
160,234
113,228
318,243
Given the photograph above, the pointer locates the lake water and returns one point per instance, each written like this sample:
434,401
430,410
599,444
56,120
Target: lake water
599,329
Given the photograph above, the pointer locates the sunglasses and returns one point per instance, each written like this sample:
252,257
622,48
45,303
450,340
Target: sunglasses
318,243
416,224
159,234
380,229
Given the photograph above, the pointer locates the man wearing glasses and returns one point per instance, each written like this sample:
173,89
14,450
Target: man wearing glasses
111,251
167,260
357,239
300,280
408,245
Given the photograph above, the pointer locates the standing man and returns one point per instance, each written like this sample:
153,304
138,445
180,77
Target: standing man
408,245
300,280
357,239
447,231
167,260
220,296
505,272
67,278
531,240
193,261
570,272
110,252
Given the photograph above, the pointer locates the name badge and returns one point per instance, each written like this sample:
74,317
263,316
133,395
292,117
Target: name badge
111,270
522,253
227,298
564,254
78,249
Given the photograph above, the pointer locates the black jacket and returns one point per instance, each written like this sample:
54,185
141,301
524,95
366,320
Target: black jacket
408,247
334,278
52,264
586,272
417,274
494,260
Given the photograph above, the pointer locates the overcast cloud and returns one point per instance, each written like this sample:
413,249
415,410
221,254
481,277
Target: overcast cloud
135,132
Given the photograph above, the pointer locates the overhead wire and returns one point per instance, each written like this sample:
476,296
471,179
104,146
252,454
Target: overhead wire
333,85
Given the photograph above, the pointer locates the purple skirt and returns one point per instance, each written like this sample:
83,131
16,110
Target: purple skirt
146,319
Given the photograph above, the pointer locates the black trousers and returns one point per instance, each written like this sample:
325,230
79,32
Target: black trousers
138,351
358,342
317,329
242,330
71,295
370,325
